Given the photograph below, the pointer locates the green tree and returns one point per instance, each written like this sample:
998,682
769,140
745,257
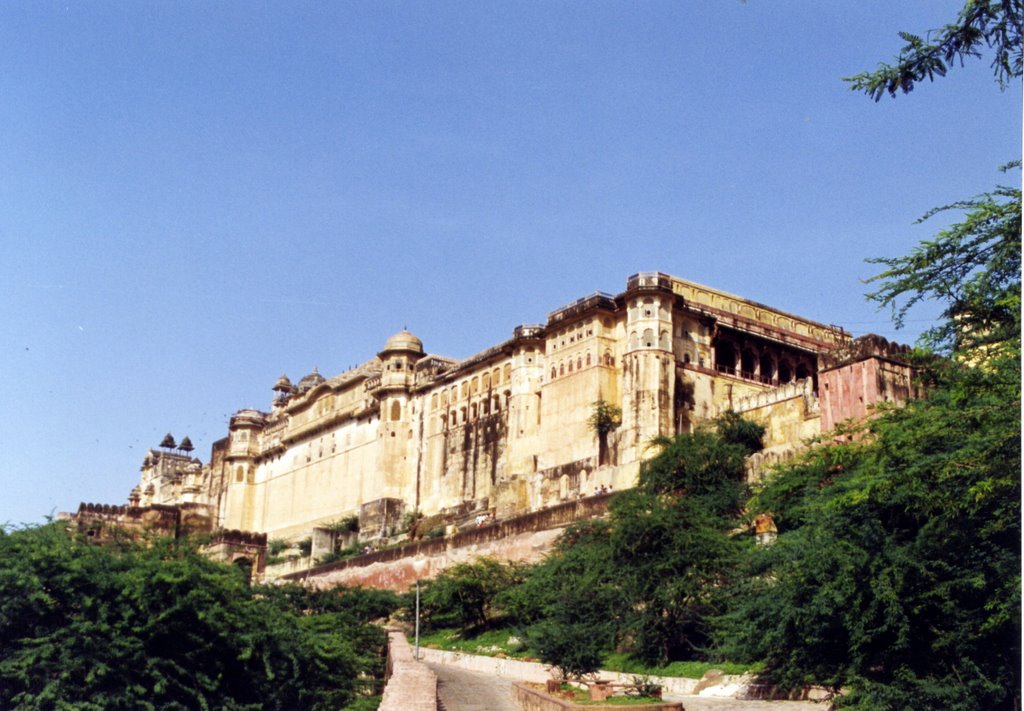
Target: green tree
569,607
672,538
897,571
465,594
650,577
161,626
605,418
973,269
896,574
995,24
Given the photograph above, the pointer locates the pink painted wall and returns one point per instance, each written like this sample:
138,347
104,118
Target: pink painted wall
850,391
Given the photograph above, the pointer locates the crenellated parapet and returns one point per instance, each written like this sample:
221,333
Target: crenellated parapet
801,388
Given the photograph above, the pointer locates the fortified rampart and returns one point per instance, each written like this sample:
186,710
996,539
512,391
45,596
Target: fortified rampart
409,436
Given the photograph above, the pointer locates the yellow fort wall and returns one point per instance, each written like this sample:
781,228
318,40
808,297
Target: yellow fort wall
508,430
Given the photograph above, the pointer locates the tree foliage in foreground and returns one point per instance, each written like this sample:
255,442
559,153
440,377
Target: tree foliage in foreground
896,574
992,24
973,268
162,627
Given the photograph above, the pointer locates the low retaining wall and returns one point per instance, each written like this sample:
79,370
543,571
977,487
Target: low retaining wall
534,700
523,539
411,686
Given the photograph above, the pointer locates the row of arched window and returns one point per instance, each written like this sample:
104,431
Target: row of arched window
648,339
487,405
471,386
566,367
568,336
649,308
764,365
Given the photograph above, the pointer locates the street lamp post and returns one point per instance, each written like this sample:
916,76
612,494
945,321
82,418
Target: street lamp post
417,619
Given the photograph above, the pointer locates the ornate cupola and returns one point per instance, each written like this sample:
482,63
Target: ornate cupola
284,389
399,356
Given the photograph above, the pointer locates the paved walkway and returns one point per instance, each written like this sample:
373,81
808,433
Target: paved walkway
461,690
467,682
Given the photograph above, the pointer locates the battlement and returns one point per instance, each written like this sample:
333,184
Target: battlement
801,388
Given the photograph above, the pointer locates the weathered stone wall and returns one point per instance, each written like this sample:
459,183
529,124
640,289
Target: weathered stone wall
524,539
850,390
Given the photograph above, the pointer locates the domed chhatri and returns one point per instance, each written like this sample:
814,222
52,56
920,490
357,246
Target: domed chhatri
403,341
283,385
310,381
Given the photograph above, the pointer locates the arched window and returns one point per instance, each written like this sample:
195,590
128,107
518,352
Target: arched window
396,411
496,377
433,402
634,341
497,403
725,357
239,473
609,359
473,385
444,398
767,368
785,372
570,365
554,372
485,382
507,372
588,358
561,369
747,364
649,338
472,411
579,363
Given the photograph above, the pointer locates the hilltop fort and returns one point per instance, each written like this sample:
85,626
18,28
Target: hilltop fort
559,411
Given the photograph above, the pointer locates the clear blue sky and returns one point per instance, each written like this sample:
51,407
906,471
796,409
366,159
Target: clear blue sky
196,197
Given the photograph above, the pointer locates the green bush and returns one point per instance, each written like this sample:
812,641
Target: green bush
466,594
161,626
